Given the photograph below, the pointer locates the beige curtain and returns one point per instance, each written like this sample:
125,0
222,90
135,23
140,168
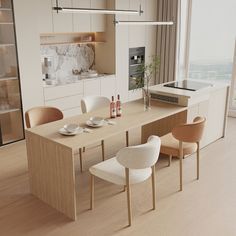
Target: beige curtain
167,40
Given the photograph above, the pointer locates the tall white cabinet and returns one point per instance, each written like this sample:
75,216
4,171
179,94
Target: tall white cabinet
133,36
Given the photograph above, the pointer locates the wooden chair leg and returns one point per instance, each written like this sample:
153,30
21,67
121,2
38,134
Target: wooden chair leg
153,187
83,149
103,150
128,196
124,188
170,159
127,138
198,157
181,165
80,159
92,192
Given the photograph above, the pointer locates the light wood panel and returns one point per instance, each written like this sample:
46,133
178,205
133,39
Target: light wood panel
51,171
163,126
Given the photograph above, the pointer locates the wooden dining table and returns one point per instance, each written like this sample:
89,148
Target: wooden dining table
51,156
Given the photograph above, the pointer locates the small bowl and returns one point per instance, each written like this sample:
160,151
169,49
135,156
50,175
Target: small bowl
96,120
71,128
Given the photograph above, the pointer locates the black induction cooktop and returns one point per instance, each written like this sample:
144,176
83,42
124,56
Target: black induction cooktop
188,85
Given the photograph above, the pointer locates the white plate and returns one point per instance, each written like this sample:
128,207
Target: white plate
90,124
64,132
71,128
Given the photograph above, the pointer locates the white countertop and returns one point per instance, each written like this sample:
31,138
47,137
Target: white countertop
74,79
214,85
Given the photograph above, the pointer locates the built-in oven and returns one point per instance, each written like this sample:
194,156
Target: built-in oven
136,61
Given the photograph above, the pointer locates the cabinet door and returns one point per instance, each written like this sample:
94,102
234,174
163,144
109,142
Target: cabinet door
108,86
98,21
137,33
44,11
82,21
62,22
92,87
216,115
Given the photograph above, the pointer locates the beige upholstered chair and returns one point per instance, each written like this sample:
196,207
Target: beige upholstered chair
183,140
92,103
132,165
42,115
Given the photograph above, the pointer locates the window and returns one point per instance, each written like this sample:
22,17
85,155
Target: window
185,7
212,39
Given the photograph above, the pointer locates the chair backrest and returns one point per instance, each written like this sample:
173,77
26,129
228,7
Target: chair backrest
140,156
190,132
42,115
91,103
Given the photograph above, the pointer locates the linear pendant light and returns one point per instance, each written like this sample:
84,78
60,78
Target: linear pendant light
144,22
96,11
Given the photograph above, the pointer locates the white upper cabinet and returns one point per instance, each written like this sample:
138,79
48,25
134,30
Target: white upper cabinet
44,10
50,21
98,21
62,22
82,21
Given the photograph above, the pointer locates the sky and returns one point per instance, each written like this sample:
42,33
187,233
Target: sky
213,31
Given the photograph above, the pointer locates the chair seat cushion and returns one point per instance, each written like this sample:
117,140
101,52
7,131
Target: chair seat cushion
170,146
111,171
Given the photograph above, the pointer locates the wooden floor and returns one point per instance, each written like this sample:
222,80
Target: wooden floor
205,207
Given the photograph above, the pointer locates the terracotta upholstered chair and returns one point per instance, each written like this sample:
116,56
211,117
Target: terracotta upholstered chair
92,103
183,140
42,115
131,165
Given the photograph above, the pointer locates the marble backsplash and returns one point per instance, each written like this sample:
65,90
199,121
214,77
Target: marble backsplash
68,57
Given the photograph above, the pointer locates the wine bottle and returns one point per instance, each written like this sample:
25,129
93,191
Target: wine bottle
118,106
112,108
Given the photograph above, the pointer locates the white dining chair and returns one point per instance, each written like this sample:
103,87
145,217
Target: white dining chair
92,103
131,165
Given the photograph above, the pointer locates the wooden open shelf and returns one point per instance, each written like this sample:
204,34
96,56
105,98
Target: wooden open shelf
7,44
9,110
8,78
6,23
5,9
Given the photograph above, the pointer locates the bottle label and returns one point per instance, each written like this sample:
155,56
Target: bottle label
113,112
119,111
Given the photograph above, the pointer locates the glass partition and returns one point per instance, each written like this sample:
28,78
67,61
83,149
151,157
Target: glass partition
11,122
